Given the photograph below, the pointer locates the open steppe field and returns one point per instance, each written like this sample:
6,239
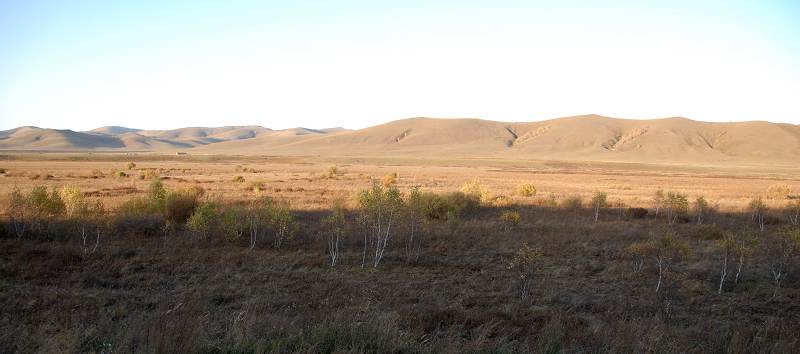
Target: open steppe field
311,254
306,181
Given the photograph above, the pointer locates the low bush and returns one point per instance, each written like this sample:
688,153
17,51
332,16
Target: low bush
437,206
636,213
204,220
708,232
510,219
238,179
526,190
179,206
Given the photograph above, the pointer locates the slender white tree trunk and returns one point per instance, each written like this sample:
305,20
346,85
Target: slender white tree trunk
660,273
723,274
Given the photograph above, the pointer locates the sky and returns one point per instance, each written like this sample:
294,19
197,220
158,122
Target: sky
156,64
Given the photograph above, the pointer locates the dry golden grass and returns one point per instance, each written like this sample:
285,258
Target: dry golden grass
308,184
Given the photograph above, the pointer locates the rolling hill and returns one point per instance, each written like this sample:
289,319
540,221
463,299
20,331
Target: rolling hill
589,137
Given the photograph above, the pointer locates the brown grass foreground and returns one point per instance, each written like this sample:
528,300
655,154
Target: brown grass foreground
155,289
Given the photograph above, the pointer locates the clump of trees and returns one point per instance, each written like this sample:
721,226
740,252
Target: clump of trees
666,249
783,251
380,210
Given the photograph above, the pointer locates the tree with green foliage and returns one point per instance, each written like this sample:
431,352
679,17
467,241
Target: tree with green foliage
599,201
701,209
258,215
85,215
783,252
666,249
758,211
233,222
524,264
747,240
204,219
380,208
415,214
675,205
727,246
510,218
335,225
793,211
282,223
658,202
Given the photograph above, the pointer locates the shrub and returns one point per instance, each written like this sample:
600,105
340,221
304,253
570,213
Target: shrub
149,173
389,179
502,201
131,165
44,205
204,219
233,225
258,186
523,264
551,201
138,224
779,191
332,172
636,213
179,206
783,254
666,249
526,190
2,171
121,174
17,208
573,204
793,211
238,179
453,221
476,190
136,206
436,206
510,219
708,232
639,251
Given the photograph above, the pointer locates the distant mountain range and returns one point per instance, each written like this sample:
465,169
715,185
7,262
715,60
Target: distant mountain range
588,137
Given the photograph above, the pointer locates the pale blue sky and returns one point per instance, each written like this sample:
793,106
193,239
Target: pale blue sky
167,64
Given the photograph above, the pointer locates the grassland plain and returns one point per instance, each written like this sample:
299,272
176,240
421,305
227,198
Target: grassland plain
159,289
